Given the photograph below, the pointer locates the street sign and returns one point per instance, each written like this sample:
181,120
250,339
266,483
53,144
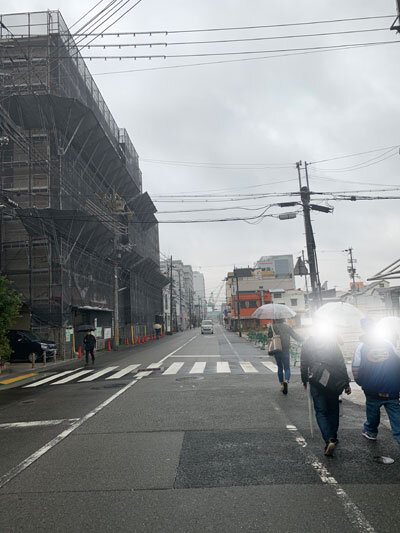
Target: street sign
300,269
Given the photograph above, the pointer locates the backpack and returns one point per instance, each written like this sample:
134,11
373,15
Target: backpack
326,378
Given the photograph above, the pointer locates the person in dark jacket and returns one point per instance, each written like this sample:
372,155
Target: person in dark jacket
282,358
90,343
376,368
322,356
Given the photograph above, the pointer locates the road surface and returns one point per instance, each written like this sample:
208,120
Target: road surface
186,434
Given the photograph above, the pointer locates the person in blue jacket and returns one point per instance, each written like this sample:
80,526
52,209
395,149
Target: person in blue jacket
376,368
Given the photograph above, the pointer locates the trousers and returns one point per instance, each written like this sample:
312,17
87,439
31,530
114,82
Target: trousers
283,362
326,412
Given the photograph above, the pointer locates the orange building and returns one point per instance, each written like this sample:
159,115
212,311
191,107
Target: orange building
249,302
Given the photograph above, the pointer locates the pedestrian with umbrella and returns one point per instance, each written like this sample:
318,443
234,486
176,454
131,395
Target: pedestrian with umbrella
323,368
279,334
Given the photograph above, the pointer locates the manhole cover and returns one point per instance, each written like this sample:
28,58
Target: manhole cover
190,378
109,386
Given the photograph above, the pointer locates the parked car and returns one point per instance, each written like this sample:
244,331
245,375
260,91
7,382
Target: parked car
26,345
207,326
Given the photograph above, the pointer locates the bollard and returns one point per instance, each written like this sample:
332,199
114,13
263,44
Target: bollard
127,341
80,352
109,346
33,360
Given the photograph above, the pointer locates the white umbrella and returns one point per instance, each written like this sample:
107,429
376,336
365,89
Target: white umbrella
273,312
340,314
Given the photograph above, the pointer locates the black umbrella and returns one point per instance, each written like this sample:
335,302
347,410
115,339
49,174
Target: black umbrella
86,327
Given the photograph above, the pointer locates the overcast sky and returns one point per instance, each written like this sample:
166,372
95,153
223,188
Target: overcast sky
266,111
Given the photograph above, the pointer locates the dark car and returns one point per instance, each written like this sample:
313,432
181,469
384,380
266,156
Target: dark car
26,346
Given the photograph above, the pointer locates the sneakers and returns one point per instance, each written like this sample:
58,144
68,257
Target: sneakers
285,386
282,387
368,436
329,448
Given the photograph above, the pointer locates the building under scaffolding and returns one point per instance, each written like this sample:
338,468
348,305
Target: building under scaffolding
77,232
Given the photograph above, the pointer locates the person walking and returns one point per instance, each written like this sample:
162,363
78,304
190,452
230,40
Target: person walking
324,370
282,357
376,368
90,343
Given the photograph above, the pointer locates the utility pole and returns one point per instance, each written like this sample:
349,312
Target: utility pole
311,248
116,307
170,297
350,269
304,262
180,299
238,303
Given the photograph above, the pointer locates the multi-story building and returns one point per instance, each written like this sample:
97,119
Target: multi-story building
200,304
271,280
189,295
174,296
79,238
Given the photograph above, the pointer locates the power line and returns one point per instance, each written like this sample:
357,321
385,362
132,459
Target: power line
226,41
242,59
241,52
86,14
235,28
355,154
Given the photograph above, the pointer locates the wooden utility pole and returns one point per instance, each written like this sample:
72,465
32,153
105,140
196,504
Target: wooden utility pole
170,296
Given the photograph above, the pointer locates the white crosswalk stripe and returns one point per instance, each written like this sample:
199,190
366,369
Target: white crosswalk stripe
248,368
73,376
198,368
124,371
98,374
223,367
173,369
270,366
47,380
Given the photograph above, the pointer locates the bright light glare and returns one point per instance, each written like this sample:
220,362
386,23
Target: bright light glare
324,329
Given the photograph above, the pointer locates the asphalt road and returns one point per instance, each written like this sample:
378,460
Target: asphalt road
198,439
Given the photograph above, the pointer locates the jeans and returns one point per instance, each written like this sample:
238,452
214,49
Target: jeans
327,413
91,352
283,361
373,411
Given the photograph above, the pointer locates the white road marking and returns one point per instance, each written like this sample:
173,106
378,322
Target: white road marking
228,341
36,423
202,355
11,474
198,368
248,368
50,378
98,374
123,372
223,367
74,376
270,366
353,513
173,369
156,365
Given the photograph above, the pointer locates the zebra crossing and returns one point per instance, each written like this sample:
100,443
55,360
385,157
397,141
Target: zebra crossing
177,368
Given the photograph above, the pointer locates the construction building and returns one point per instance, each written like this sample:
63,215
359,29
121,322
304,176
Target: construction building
79,237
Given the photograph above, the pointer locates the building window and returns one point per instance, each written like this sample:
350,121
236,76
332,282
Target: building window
277,295
293,302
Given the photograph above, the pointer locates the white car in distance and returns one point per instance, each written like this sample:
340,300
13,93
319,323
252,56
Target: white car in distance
207,326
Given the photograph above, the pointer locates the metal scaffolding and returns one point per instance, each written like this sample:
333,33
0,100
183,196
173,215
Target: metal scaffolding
74,211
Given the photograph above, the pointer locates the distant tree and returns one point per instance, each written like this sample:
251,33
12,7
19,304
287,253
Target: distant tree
10,304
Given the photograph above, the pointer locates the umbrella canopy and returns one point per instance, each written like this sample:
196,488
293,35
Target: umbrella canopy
273,312
86,327
340,314
157,326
